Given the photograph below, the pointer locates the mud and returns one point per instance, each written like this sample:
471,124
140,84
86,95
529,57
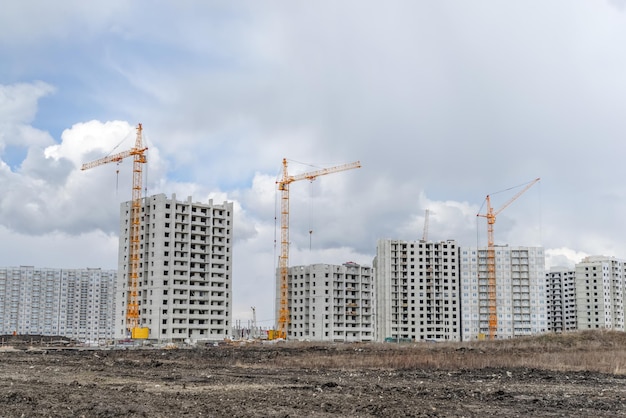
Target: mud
286,381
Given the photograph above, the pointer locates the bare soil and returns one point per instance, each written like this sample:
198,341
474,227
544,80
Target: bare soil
541,377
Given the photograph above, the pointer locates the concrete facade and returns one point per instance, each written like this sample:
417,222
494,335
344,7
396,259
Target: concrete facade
330,303
417,290
561,299
600,293
520,292
185,274
73,303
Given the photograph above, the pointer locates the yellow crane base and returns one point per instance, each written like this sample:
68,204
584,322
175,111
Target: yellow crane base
140,333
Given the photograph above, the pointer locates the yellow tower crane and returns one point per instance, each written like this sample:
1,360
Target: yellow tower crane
132,299
283,186
491,257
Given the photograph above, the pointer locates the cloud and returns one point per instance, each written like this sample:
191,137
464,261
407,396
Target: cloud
49,192
619,4
18,107
29,22
18,102
58,250
563,257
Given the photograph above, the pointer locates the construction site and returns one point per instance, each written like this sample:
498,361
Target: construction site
176,352
580,374
174,281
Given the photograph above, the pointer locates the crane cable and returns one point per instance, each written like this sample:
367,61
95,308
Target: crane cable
117,180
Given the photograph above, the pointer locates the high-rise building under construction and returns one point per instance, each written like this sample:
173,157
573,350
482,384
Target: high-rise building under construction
185,269
520,296
600,289
417,288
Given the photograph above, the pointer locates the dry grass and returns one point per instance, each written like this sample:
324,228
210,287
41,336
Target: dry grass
598,351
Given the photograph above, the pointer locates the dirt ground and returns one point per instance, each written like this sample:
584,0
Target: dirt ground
298,380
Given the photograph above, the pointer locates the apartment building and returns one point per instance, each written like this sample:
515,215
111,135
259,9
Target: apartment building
330,302
520,292
561,299
600,293
185,269
73,303
417,290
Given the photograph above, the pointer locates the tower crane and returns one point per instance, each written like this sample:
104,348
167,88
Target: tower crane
491,257
283,186
132,299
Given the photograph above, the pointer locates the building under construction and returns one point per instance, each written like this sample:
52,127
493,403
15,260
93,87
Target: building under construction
330,302
185,269
561,299
520,293
600,290
417,287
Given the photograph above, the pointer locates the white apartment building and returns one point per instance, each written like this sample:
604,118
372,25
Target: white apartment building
185,269
520,292
561,299
417,290
73,303
600,293
330,302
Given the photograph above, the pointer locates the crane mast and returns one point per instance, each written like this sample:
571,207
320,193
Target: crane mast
491,257
132,298
283,264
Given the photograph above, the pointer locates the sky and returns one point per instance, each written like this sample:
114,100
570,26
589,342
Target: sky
443,103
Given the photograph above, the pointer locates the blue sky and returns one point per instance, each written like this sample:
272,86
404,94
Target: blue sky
443,103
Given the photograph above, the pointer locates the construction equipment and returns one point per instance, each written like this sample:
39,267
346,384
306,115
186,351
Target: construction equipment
132,299
283,186
491,257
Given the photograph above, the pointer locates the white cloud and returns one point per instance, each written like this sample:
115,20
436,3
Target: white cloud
563,257
92,140
58,250
18,102
18,106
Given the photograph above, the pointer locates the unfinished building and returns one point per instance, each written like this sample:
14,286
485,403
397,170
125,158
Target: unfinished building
520,292
600,293
329,302
417,287
185,269
561,299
